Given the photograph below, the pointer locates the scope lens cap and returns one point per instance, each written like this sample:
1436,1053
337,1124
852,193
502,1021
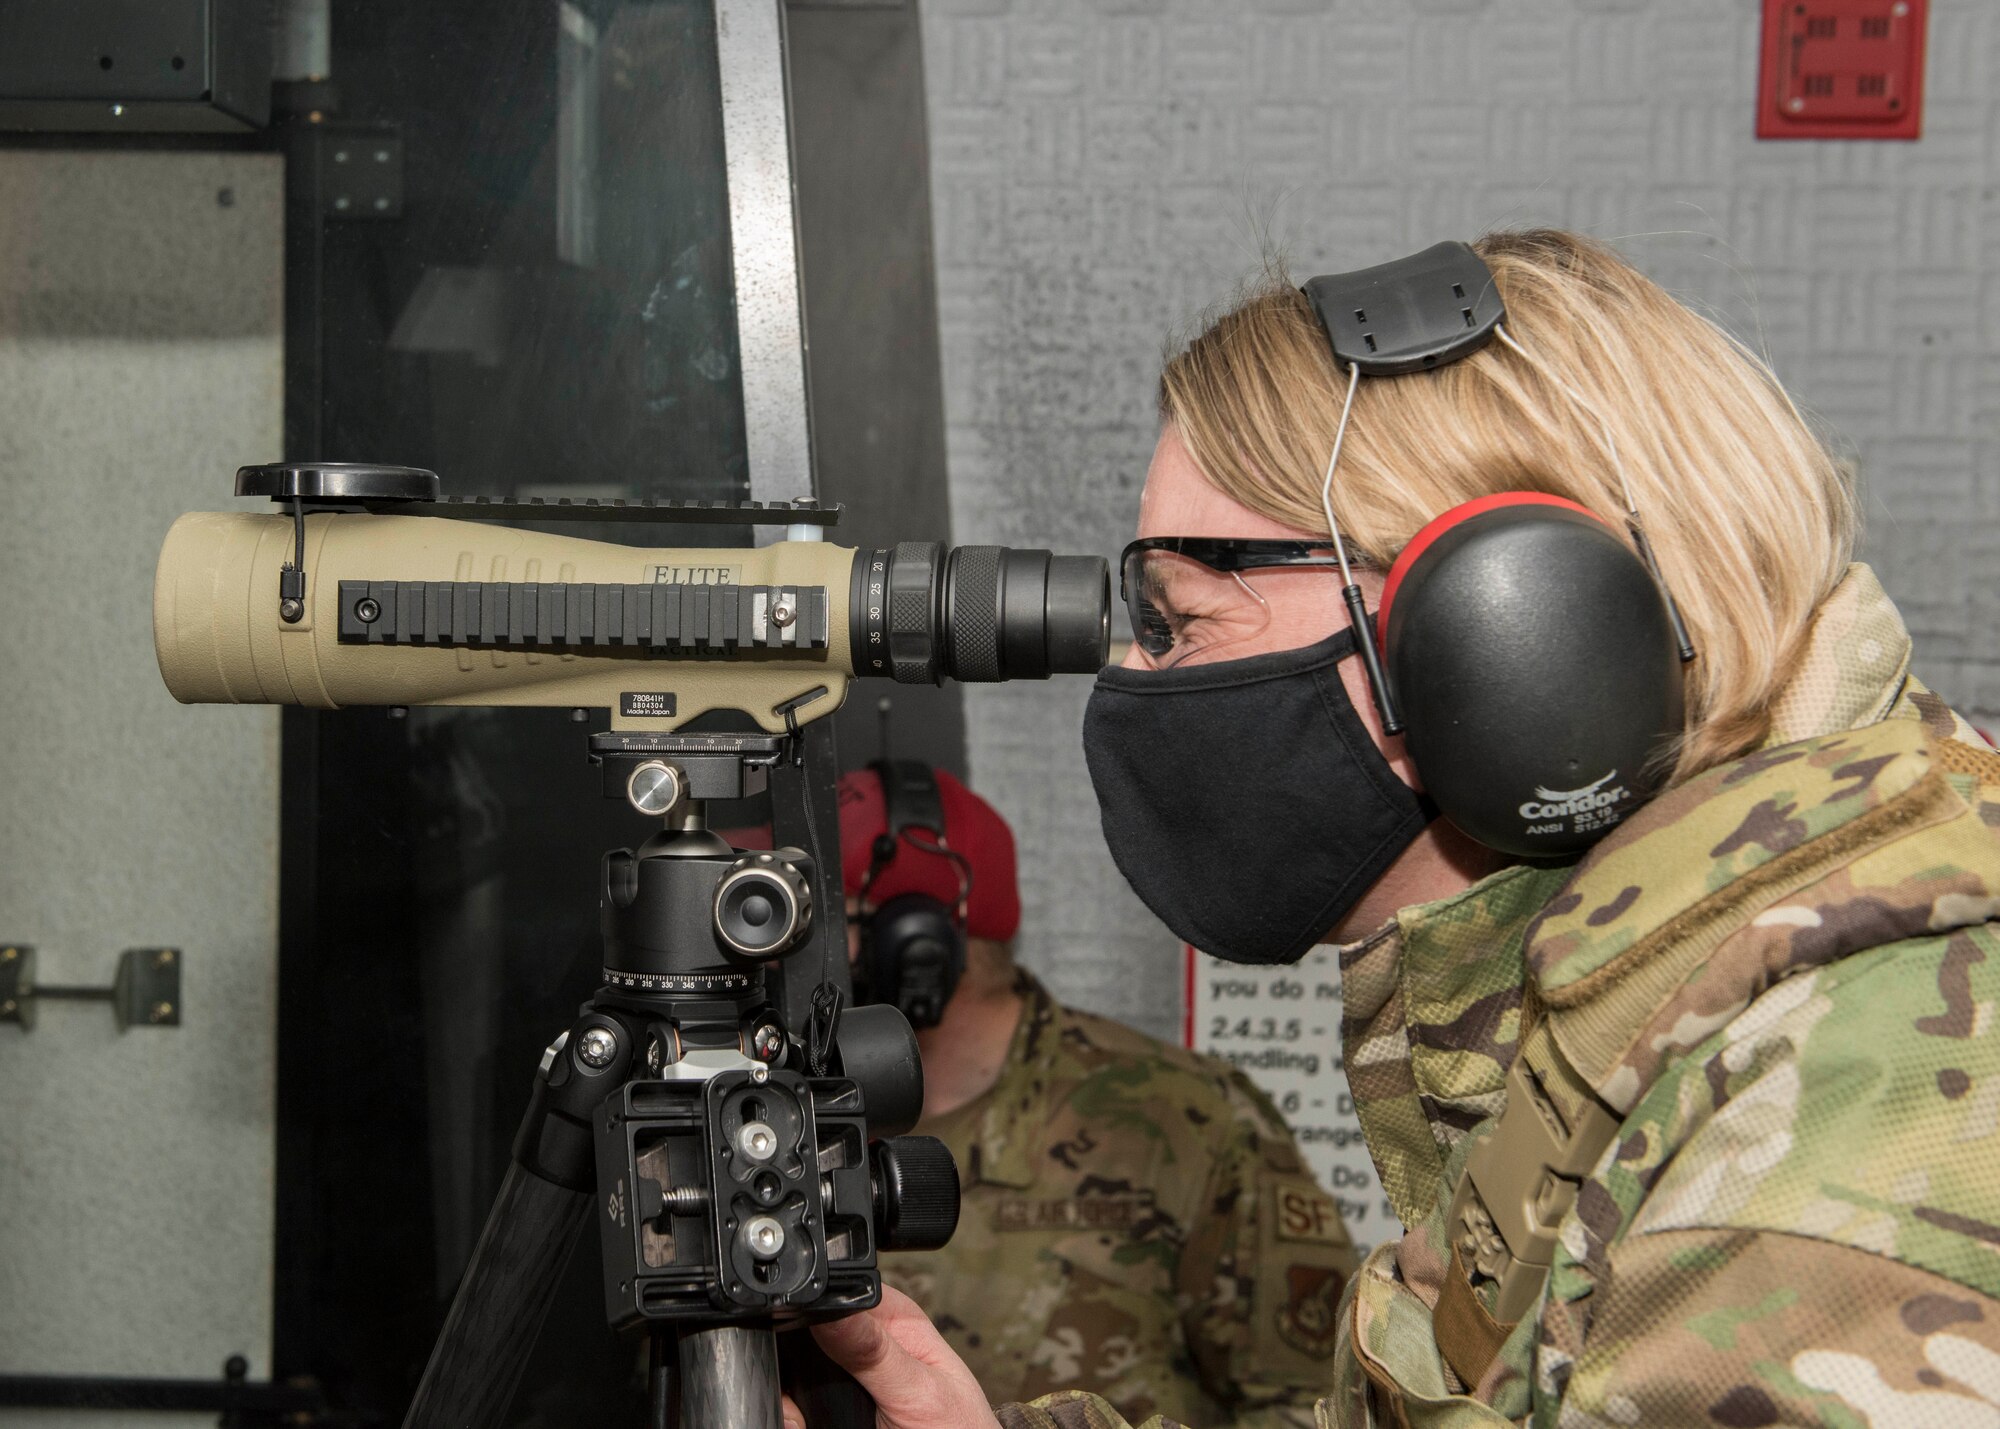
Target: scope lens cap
337,482
1536,666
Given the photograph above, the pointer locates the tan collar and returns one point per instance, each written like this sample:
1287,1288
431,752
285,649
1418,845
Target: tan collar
1855,666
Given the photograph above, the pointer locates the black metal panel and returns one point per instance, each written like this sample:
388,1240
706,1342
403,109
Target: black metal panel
439,871
519,333
135,66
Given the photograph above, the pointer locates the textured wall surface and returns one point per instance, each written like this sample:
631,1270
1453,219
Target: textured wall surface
140,363
1104,171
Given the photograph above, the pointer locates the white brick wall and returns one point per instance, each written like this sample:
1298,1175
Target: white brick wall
1102,171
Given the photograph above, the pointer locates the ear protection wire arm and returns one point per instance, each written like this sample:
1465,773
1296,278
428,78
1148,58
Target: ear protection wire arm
1357,603
1633,525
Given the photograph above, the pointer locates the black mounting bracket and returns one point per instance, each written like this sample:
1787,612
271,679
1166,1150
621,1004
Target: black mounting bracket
711,766
1411,315
144,992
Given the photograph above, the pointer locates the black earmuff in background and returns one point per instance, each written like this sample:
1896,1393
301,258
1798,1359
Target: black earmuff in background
913,945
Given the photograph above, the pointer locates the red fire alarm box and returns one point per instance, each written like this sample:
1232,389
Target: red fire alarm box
1842,69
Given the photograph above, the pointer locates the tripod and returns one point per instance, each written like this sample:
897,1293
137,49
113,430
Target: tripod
746,1157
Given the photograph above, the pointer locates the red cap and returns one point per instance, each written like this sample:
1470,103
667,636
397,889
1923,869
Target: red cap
973,829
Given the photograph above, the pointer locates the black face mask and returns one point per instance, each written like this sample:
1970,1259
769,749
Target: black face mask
1244,801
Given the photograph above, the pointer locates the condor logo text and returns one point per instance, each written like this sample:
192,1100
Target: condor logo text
1596,805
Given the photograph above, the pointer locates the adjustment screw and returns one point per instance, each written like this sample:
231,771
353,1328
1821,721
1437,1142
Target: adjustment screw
162,1011
767,1042
783,615
291,610
758,1141
367,610
764,1236
597,1047
759,1073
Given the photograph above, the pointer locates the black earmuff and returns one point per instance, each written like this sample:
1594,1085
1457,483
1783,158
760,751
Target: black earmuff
1535,663
914,955
913,946
1530,658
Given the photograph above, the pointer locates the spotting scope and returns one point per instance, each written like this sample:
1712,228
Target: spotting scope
368,588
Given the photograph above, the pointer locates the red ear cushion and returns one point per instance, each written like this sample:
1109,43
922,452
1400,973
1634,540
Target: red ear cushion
1458,515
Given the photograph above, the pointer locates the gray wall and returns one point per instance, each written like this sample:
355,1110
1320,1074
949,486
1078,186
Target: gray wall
140,362
1103,172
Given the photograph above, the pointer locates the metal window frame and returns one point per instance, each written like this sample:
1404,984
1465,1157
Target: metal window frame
750,47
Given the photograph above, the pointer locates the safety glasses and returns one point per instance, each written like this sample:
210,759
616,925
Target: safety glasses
1187,597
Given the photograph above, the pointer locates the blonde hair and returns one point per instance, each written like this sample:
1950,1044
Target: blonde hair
1750,517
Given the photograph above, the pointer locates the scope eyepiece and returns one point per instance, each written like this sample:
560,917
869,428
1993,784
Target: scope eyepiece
921,611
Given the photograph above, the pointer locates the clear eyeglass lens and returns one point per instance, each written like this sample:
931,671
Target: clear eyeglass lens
1184,612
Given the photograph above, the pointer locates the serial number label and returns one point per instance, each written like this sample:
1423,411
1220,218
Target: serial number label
646,704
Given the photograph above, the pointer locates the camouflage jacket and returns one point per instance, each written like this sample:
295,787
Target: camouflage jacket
1136,1219
1779,979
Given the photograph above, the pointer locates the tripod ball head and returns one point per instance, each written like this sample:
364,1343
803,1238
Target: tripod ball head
686,913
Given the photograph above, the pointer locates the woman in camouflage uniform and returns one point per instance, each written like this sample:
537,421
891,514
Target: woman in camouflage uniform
1733,1073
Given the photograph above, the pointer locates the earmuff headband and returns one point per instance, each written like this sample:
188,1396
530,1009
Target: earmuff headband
911,803
1409,315
1532,654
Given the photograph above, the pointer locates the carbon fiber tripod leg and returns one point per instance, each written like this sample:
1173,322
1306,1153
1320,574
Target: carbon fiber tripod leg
477,1361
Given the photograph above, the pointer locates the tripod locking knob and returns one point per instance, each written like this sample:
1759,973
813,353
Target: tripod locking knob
916,1193
763,907
653,788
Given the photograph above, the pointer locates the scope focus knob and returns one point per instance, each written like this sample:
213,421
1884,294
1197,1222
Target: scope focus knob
916,1193
763,907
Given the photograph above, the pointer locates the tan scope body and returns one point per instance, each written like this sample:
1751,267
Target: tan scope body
220,639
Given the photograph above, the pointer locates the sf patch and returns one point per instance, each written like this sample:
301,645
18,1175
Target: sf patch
1306,1213
1307,1319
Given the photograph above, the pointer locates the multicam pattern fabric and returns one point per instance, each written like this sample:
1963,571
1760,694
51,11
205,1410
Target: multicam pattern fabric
1433,1015
1784,974
1137,1220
